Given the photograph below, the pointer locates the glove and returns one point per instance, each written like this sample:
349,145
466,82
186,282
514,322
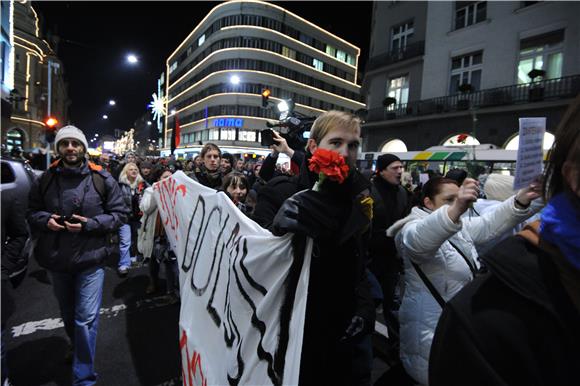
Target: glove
355,328
286,220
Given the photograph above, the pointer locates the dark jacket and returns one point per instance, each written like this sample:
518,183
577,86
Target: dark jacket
338,288
204,178
72,191
515,325
14,235
132,200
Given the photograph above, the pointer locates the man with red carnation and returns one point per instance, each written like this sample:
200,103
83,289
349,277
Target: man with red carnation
336,215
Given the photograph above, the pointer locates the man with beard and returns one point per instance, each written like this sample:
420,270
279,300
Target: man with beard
340,314
73,209
210,174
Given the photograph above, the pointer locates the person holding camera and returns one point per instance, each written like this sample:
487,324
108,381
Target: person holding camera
74,208
279,145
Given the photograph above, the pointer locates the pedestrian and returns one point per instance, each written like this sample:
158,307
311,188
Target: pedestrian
227,163
239,165
340,313
154,244
519,324
391,202
14,261
438,250
236,186
132,188
146,169
74,207
209,174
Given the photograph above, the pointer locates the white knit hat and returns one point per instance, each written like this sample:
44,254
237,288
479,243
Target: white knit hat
71,132
499,187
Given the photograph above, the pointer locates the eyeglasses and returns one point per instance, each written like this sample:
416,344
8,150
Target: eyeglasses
67,143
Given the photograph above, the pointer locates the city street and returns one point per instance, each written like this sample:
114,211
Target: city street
137,341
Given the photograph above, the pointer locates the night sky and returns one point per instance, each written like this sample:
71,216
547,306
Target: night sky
96,37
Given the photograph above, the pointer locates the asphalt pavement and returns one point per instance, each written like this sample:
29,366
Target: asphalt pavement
137,340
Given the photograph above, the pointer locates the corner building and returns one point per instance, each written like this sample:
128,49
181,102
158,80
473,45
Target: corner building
217,74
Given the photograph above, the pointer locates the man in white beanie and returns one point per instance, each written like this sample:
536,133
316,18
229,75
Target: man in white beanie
74,207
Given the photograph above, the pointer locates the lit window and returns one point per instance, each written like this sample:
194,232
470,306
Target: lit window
466,69
228,134
400,35
341,55
201,40
172,67
247,135
544,52
318,64
288,52
469,12
398,89
214,134
330,50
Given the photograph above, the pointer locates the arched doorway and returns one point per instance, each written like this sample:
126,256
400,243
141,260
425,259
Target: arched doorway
513,143
394,146
461,139
15,138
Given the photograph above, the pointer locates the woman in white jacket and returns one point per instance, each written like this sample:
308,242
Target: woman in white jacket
437,242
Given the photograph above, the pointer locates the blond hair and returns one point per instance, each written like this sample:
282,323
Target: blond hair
123,176
330,120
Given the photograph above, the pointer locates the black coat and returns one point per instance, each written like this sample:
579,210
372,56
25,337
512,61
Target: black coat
338,288
72,191
515,325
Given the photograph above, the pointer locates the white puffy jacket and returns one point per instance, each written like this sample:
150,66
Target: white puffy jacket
423,238
146,234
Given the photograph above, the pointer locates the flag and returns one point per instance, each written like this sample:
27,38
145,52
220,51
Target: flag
175,135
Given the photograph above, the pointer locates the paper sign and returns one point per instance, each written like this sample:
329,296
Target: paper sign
530,151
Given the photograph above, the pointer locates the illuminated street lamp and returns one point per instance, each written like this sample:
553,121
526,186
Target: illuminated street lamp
105,116
132,59
112,102
235,80
148,123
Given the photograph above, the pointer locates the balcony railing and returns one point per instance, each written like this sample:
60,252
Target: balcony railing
546,90
409,51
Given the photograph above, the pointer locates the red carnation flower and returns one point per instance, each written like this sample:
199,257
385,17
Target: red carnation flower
328,164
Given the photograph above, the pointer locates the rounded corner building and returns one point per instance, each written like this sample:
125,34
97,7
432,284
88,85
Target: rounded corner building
215,78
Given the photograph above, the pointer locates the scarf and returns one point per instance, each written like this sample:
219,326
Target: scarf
561,226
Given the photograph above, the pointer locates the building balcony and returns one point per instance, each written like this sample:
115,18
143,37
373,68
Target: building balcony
409,51
519,94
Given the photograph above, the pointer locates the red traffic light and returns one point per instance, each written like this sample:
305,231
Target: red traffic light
51,122
265,95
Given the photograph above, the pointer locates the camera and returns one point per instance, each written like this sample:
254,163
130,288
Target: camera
69,219
293,126
267,137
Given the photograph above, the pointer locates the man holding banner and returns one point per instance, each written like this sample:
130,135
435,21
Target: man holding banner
340,312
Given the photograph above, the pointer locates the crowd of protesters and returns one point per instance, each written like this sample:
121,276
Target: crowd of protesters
456,304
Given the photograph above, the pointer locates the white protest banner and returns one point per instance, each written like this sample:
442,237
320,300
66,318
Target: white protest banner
243,294
530,151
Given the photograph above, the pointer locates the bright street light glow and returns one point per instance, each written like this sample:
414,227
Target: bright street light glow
234,79
132,59
112,103
105,116
283,106
173,112
96,135
148,123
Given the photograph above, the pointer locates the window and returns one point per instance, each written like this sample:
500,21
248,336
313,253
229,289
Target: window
227,134
288,52
400,35
7,173
543,52
201,40
247,135
318,64
172,67
306,39
469,12
330,50
350,60
466,69
398,89
341,55
213,134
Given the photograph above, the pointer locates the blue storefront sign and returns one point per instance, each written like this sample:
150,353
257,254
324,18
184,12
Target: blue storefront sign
228,122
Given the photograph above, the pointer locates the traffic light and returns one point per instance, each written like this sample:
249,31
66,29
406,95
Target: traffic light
51,128
265,95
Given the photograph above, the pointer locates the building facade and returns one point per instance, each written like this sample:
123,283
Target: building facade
217,74
440,69
38,83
